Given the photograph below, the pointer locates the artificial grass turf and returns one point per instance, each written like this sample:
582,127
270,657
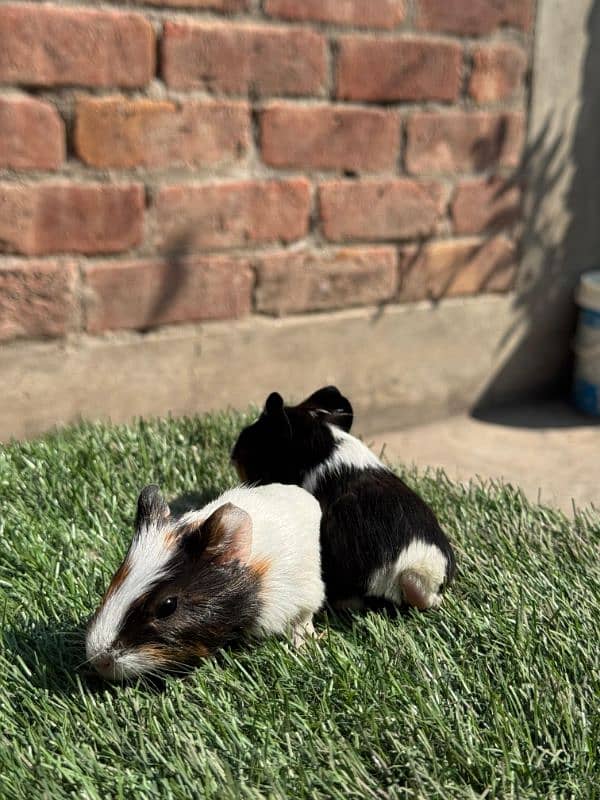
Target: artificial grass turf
495,695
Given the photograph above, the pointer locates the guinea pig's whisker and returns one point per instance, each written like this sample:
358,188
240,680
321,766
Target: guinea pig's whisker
148,674
178,669
170,664
67,632
83,663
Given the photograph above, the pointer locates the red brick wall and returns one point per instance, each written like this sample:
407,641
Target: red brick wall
305,154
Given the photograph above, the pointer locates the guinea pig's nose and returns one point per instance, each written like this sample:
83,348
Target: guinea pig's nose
104,663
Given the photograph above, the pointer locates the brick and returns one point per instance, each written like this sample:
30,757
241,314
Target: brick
233,214
460,141
144,293
332,138
485,204
37,298
380,209
498,71
69,217
295,282
371,68
32,134
46,45
118,132
456,267
237,59
385,14
474,17
228,6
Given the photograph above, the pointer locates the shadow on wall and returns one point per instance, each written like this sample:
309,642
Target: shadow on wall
485,153
173,281
561,239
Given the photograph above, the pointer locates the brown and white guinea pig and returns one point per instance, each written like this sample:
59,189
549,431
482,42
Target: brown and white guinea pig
246,564
378,537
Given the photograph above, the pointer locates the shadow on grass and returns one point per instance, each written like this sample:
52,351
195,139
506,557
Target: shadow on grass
343,620
53,659
193,501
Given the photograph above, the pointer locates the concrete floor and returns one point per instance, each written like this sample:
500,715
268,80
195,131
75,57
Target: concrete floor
552,452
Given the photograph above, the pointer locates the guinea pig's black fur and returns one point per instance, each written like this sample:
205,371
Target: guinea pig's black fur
370,516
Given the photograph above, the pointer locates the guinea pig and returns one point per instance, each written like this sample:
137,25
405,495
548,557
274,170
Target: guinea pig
378,537
247,564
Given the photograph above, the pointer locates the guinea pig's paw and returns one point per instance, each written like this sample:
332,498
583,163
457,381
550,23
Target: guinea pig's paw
302,630
418,592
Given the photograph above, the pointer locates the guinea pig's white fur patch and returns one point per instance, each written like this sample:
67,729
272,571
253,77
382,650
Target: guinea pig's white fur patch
349,452
420,568
146,562
285,547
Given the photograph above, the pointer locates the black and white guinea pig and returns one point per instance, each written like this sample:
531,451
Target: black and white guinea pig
378,537
246,564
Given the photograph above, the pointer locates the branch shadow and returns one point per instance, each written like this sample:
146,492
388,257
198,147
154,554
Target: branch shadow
173,282
540,364
486,267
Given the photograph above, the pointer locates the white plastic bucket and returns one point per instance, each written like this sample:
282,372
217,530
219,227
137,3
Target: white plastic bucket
587,345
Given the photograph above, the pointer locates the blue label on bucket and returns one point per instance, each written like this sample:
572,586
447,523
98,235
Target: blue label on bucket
587,396
590,318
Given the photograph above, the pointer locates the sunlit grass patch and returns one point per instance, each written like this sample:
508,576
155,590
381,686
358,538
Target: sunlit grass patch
495,695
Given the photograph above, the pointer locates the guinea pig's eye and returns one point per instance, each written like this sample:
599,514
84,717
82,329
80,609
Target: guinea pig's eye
166,608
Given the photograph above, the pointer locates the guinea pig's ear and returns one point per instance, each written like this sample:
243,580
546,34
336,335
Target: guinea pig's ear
274,404
151,506
275,412
333,404
227,534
